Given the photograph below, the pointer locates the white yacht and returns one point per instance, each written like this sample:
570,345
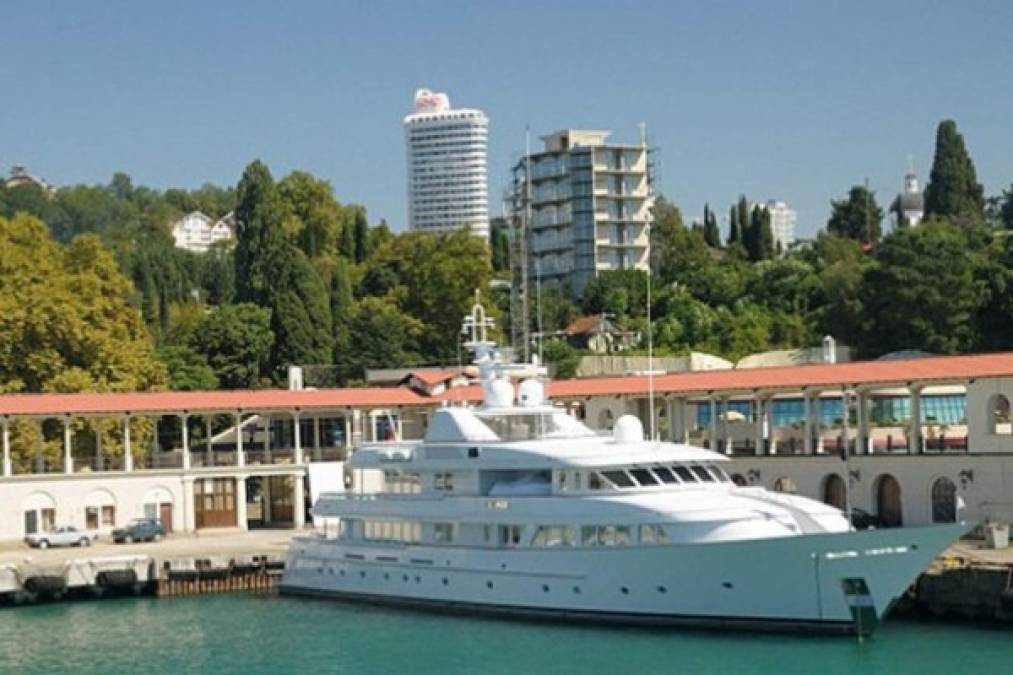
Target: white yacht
515,507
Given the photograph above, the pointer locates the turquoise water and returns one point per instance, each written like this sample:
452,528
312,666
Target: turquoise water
269,634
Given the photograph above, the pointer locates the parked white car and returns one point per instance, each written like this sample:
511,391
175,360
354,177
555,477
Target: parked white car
61,536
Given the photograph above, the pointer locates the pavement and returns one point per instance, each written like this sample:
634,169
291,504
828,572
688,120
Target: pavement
226,541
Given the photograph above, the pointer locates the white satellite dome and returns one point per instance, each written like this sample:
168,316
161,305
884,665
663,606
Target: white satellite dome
628,429
531,393
499,393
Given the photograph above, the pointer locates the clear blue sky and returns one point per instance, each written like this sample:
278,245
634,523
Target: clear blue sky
796,101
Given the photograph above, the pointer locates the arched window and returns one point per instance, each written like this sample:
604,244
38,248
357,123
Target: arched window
605,420
888,503
944,501
999,421
786,485
834,491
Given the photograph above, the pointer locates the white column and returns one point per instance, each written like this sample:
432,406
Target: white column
915,439
713,430
807,412
128,453
768,415
759,408
725,440
210,450
8,467
242,518
100,462
297,438
267,437
863,442
189,518
348,428
818,423
186,448
240,453
298,505
68,459
265,496
316,437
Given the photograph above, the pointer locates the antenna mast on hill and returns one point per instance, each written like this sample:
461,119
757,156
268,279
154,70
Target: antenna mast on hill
521,203
650,337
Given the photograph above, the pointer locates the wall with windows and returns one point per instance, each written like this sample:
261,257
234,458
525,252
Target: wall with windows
988,415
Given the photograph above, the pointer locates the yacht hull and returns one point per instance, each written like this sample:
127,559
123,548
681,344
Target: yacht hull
828,583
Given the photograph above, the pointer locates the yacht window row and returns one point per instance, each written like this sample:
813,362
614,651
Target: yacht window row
648,476
507,536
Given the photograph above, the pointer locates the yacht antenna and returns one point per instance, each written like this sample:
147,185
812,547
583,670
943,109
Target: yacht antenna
650,338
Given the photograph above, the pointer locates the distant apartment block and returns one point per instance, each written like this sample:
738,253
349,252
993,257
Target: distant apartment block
196,232
448,185
782,222
590,206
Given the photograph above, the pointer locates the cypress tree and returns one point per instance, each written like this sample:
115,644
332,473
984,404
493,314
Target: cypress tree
361,232
743,207
710,228
342,315
953,190
734,232
300,314
261,243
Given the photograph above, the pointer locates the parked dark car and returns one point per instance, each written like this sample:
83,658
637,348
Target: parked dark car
140,529
863,520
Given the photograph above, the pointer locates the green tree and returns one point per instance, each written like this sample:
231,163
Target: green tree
382,336
499,238
261,248
188,370
858,217
922,292
432,278
236,341
711,233
758,237
342,314
300,316
621,293
734,229
321,218
360,230
953,190
562,357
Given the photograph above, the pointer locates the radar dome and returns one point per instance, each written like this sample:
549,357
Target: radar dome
628,429
531,393
499,394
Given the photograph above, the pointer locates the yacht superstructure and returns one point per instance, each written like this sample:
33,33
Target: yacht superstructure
516,507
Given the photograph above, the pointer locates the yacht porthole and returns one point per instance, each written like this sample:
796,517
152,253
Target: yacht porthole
404,578
662,589
386,576
727,584
362,574
446,581
488,584
418,579
624,590
341,573
545,588
576,590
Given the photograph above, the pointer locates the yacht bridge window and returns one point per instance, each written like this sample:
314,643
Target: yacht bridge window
529,426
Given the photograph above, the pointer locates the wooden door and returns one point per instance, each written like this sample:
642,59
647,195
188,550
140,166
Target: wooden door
165,515
31,522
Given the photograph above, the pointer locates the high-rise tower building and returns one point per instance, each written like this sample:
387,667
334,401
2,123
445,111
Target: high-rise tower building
589,206
448,186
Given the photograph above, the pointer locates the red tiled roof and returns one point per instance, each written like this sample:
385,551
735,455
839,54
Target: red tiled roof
858,373
207,401
939,369
583,325
432,377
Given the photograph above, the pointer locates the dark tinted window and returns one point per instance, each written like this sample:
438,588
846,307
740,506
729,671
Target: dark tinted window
618,478
683,473
718,473
665,474
702,473
644,477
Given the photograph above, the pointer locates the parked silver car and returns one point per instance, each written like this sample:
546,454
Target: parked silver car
61,536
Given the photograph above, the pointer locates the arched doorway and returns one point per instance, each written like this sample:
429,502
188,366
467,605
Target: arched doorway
888,503
834,491
999,416
605,420
944,501
786,485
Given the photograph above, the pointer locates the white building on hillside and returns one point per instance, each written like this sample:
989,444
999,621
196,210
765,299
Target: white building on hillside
782,222
196,232
448,186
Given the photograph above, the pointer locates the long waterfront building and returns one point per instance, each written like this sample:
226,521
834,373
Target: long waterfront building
448,185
